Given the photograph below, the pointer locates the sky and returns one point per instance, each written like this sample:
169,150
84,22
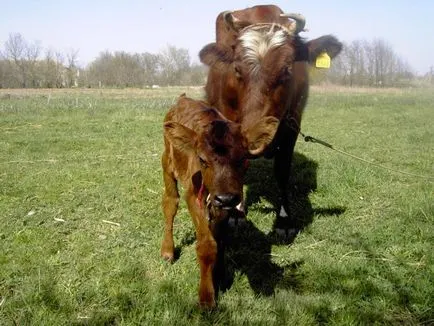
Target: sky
93,26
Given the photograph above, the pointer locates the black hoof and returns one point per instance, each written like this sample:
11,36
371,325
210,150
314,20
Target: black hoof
285,228
237,218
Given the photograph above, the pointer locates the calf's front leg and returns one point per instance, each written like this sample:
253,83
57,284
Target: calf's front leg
206,253
206,250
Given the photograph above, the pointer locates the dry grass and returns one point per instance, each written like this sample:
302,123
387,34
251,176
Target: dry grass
126,93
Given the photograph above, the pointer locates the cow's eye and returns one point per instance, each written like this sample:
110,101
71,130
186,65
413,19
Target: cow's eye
203,163
287,72
285,75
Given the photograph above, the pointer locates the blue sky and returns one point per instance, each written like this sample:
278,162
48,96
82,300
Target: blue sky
149,26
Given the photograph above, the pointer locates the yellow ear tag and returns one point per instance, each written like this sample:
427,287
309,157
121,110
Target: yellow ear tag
323,61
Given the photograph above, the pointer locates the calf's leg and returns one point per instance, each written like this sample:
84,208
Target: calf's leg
206,250
207,254
170,207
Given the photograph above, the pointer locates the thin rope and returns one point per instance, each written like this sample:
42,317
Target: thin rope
321,142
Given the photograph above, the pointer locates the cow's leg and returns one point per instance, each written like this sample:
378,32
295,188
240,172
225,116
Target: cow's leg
219,232
237,215
206,250
170,206
285,223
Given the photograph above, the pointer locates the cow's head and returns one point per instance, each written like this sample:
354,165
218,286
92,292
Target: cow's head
219,154
261,62
267,66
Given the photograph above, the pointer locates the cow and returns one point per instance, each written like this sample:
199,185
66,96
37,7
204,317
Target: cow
206,153
265,74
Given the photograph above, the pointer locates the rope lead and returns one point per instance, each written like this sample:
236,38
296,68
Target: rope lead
321,142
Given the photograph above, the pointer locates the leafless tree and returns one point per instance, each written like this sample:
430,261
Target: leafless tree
149,66
71,68
14,50
373,63
32,52
173,62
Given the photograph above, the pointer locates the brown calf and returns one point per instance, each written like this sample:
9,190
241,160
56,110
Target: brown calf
206,153
265,74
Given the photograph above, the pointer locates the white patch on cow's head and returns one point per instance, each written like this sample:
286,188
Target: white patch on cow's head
257,40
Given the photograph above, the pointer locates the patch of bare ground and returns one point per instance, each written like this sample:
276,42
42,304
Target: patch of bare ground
119,93
359,90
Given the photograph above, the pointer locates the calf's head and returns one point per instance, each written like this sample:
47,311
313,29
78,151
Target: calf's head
218,153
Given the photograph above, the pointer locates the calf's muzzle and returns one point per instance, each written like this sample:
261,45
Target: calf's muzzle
226,201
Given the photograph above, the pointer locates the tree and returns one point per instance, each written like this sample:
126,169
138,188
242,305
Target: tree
373,63
71,68
149,65
120,69
32,52
15,51
173,62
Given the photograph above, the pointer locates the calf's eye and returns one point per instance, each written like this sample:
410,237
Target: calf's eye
203,163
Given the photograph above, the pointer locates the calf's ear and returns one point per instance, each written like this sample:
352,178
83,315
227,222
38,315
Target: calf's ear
261,134
181,137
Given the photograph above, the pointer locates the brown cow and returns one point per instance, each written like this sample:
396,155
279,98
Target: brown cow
206,152
265,74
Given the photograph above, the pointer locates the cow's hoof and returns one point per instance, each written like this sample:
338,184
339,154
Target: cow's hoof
286,233
237,218
285,228
234,222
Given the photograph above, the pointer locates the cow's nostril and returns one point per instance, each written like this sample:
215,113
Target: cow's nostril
227,200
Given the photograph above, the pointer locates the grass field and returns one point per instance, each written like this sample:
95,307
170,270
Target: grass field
81,224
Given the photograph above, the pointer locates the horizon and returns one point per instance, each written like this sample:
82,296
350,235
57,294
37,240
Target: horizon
150,27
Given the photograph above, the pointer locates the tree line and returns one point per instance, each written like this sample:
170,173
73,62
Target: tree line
370,63
28,65
24,64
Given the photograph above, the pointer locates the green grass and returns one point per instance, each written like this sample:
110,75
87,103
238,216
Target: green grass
72,161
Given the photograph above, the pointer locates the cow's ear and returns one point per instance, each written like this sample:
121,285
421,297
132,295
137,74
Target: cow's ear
214,54
261,134
181,137
326,43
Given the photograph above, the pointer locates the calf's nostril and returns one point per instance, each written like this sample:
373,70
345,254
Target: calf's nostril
229,200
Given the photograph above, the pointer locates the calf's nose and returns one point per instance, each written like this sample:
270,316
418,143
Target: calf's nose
226,200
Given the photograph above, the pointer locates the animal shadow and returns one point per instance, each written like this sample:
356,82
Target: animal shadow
261,186
248,249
